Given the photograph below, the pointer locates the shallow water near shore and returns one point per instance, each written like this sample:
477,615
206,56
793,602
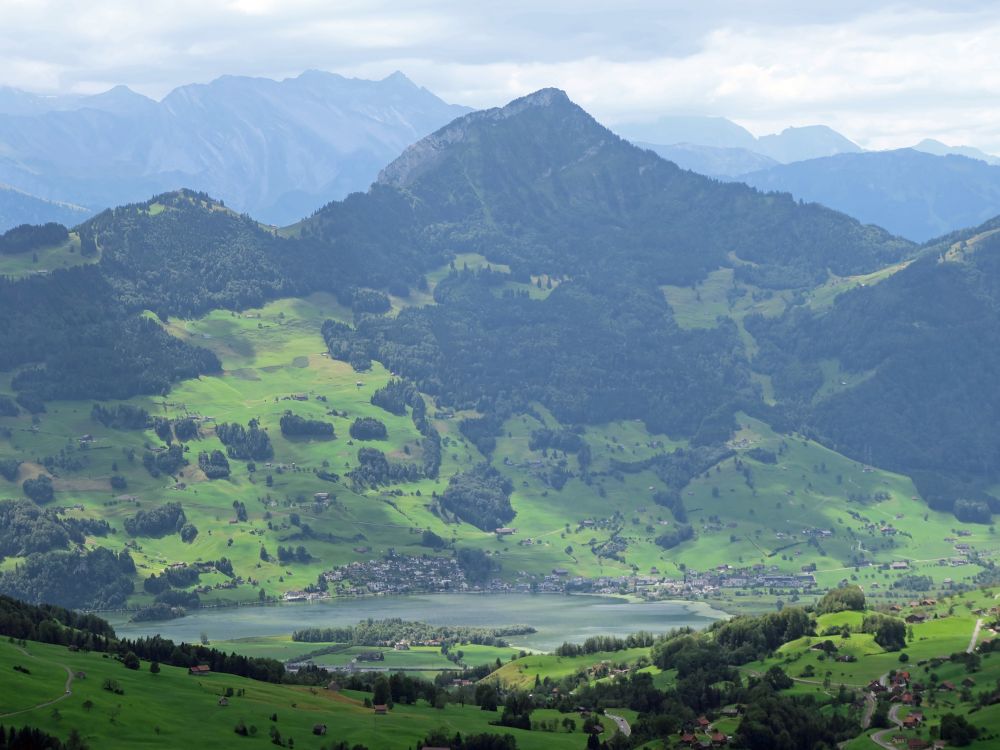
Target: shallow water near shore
557,618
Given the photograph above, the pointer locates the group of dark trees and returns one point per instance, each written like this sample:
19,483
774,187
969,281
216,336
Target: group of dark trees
81,579
39,489
158,521
214,464
842,599
568,441
27,237
25,529
392,630
164,460
292,425
299,554
250,443
32,738
480,496
603,643
368,428
375,470
120,416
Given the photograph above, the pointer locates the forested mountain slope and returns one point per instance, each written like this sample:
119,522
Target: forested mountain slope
925,342
526,321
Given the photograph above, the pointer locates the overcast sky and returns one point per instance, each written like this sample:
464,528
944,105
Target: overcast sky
884,74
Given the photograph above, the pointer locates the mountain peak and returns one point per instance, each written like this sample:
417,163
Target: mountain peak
423,154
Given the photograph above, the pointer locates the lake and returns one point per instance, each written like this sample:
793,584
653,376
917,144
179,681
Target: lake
557,618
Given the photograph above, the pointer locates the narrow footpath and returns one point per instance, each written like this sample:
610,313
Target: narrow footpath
67,688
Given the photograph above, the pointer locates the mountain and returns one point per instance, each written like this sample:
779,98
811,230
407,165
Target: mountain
20,208
717,132
910,193
920,353
727,142
931,146
811,142
278,150
713,161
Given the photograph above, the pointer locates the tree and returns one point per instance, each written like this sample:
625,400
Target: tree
486,696
380,691
154,667
957,730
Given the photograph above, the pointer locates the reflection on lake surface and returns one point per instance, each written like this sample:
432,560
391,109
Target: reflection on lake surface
557,618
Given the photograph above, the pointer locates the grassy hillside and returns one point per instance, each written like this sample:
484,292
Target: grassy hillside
173,708
602,522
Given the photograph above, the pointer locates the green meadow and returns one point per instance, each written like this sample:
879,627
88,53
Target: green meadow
173,708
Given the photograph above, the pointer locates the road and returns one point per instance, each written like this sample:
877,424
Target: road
975,636
67,689
879,738
623,725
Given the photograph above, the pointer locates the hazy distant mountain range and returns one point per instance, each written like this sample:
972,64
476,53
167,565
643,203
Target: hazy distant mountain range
279,150
918,193
275,149
913,194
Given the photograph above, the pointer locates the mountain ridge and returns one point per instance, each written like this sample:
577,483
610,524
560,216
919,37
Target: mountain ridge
277,149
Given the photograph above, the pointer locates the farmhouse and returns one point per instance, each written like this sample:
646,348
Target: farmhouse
199,669
380,709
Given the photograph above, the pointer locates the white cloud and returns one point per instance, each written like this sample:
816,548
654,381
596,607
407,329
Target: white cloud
884,74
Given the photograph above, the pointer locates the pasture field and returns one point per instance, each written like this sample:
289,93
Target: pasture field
173,708
45,260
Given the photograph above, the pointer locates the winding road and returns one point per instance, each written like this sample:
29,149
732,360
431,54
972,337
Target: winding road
67,689
879,737
623,726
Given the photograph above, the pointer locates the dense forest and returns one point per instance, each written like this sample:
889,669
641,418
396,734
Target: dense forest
925,343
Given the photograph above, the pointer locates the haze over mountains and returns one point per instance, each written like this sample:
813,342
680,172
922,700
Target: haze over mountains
275,149
919,193
278,150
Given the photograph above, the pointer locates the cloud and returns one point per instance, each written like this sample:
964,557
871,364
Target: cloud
884,74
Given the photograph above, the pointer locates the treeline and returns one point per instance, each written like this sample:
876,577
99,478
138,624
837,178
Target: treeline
480,496
606,643
27,237
52,624
32,738
390,631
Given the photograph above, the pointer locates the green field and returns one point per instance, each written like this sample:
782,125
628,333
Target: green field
45,260
173,708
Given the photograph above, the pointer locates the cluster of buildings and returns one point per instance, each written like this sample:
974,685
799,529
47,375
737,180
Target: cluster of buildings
398,575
